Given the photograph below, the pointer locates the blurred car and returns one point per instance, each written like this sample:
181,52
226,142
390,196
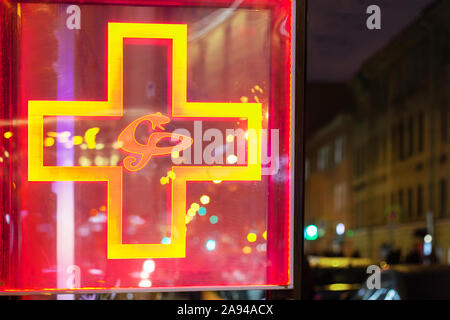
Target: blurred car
337,278
410,282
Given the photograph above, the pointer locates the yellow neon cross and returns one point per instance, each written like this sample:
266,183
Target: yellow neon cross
113,107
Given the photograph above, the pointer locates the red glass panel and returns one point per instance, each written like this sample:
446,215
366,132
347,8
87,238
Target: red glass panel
83,209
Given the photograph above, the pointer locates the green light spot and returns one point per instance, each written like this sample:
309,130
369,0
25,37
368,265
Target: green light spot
213,219
321,232
311,232
202,211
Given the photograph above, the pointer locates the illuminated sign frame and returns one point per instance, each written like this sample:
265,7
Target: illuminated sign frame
181,108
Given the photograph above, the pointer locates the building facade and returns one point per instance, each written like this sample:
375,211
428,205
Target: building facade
401,141
327,187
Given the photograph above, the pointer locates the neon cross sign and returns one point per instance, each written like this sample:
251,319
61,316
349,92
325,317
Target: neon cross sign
113,107
145,152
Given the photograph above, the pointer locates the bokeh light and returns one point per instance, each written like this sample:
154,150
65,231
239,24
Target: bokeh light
8,134
311,232
164,180
202,211
49,141
145,283
251,237
232,159
213,219
77,140
149,266
195,206
191,212
165,240
211,245
171,174
204,199
340,228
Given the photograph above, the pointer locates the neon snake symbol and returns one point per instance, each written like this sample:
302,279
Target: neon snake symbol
141,153
127,139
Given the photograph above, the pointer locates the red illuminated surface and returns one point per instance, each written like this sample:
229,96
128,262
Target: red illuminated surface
220,216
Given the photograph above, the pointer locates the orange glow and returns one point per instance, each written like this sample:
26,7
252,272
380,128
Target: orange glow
113,107
77,140
49,141
8,134
247,250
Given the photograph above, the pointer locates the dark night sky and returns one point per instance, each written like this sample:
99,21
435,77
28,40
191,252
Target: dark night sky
338,40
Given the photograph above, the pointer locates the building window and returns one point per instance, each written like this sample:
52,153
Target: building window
307,169
338,150
409,207
420,145
411,136
322,157
339,197
394,146
359,214
383,150
401,139
401,205
375,152
419,201
442,198
444,125
360,161
393,199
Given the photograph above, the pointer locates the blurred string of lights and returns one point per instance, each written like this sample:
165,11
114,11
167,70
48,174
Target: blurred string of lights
211,244
252,238
85,142
340,229
5,156
166,179
88,141
8,135
255,91
195,208
312,232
